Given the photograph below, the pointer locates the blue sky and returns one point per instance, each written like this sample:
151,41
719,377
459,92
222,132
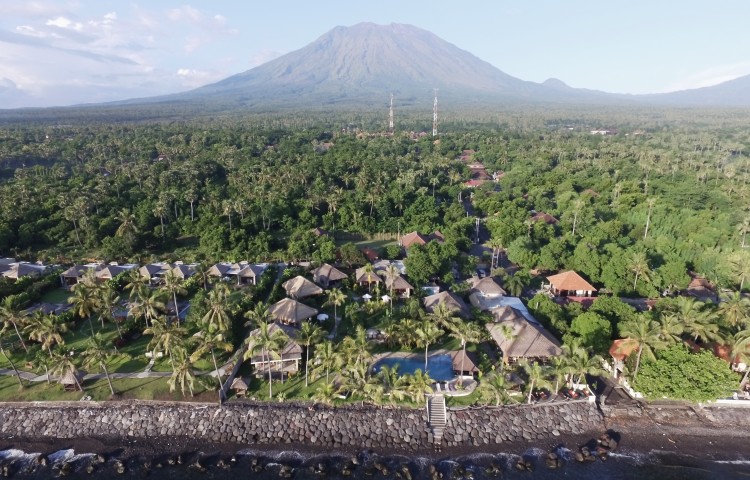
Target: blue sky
66,52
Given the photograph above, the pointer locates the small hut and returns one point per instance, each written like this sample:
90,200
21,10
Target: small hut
72,380
300,287
288,311
239,386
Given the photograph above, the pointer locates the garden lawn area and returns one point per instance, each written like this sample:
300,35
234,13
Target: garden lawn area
56,295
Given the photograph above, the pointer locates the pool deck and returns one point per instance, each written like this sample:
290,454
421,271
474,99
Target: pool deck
448,388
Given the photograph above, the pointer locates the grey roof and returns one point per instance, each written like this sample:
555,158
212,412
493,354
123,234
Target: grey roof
524,339
291,351
397,283
360,276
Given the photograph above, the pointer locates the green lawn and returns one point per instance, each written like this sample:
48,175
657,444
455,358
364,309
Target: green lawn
57,295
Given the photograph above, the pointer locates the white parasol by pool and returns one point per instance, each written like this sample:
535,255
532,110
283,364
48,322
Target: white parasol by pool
322,316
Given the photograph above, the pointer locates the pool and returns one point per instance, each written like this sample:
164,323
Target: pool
439,367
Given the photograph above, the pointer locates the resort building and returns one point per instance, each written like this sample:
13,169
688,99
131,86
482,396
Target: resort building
291,312
328,275
570,284
454,303
300,287
14,271
366,278
518,338
400,287
281,363
155,272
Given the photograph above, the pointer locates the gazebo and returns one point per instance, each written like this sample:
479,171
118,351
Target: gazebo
289,311
72,380
239,386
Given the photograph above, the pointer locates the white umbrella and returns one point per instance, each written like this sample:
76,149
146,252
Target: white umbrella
322,316
385,298
367,297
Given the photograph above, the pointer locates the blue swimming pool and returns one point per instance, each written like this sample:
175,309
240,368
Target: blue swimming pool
439,367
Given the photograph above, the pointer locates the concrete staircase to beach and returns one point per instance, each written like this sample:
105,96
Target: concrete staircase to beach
436,417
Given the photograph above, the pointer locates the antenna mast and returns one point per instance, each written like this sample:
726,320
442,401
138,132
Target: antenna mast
434,115
390,116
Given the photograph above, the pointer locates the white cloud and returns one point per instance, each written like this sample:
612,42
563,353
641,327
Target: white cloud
65,23
192,78
710,77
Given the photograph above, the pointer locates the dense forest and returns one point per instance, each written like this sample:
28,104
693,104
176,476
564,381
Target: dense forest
660,199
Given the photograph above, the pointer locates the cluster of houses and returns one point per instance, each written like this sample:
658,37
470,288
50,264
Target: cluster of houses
478,172
12,270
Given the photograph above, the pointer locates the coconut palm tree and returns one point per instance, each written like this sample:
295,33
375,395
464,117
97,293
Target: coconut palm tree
559,368
417,385
98,354
84,301
173,286
740,263
182,373
11,316
327,358
217,318
740,352
671,328
7,357
537,374
309,335
580,362
426,334
166,337
62,364
394,385
137,284
259,315
327,393
46,330
205,342
201,271
465,332
493,389
106,302
149,306
645,335
639,267
369,270
650,202
127,228
356,348
269,342
336,298
734,309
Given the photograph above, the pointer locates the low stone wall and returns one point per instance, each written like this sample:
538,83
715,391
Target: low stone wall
269,424
511,424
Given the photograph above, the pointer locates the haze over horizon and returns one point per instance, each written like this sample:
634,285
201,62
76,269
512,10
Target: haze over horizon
85,51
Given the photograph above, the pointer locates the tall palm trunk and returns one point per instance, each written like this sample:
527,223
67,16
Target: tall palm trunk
461,373
13,365
15,325
425,357
531,390
307,362
109,380
637,362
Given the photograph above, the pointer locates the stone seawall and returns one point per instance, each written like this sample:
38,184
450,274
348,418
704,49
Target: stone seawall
278,424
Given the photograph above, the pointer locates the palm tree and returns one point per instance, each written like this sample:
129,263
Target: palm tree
201,271
327,358
150,306
537,376
97,354
182,374
394,385
7,357
106,302
516,283
166,337
356,347
560,369
206,342
740,351
671,328
650,202
740,263
336,298
269,342
417,385
645,335
137,284
580,362
84,301
327,393
497,247
426,334
173,285
734,309
465,332
10,316
309,335
744,228
217,318
127,227
259,315
370,271
639,267
494,389
44,329
62,363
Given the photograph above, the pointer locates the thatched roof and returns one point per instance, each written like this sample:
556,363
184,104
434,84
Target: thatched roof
361,276
451,300
76,271
183,271
291,311
291,351
300,287
239,384
19,270
486,286
397,283
72,379
519,338
570,281
469,362
327,273
111,271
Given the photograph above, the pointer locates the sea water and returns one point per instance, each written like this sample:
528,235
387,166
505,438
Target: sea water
248,463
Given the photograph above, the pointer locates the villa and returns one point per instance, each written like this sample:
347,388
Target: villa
328,275
300,287
291,312
454,303
570,284
519,338
281,363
